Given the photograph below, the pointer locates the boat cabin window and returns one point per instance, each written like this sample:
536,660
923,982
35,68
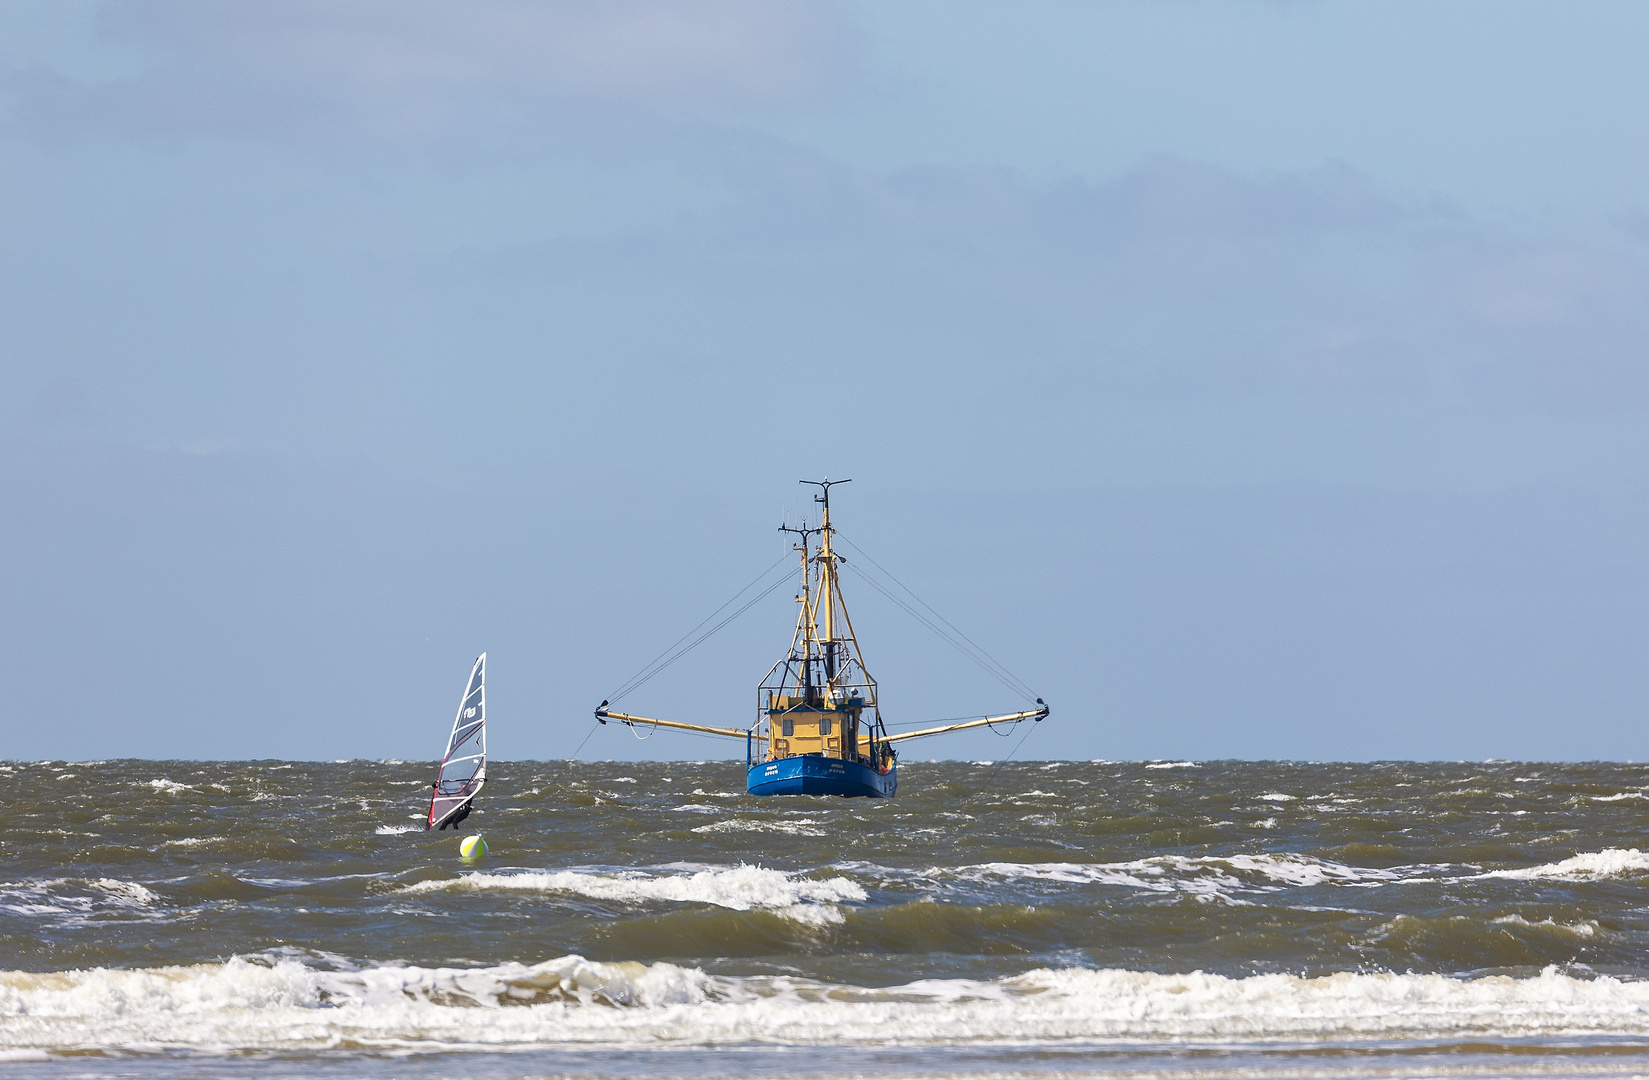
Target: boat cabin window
789,727
824,725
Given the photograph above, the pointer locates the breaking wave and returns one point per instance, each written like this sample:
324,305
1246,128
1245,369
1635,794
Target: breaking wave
285,1005
799,827
1580,930
73,897
1178,873
739,888
129,891
1608,863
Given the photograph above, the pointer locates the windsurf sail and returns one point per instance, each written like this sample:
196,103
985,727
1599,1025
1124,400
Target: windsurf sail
464,765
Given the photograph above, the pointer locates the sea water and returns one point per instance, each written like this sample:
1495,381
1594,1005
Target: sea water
1027,919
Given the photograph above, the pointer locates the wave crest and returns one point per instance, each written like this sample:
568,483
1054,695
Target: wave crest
739,888
1266,872
1610,862
245,1004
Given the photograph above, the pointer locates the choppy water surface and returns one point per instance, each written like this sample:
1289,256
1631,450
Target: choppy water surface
294,919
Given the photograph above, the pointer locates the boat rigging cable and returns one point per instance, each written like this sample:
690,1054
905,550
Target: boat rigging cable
951,720
672,654
972,650
593,729
1010,757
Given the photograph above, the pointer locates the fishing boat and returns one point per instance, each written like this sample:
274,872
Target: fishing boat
463,767
818,728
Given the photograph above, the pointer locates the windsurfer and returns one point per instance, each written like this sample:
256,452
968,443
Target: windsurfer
452,820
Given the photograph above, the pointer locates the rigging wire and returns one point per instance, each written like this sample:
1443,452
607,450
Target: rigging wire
1022,686
1007,678
702,638
593,728
939,720
1007,759
1007,729
670,655
1007,726
652,729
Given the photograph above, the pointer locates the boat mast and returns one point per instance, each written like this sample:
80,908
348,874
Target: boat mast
801,644
829,595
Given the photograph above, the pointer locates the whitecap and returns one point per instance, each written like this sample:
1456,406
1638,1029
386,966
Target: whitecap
569,1002
739,887
794,828
1584,929
1610,862
129,891
815,915
1267,872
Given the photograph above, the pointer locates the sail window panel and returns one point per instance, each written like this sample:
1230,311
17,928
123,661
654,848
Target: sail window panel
461,767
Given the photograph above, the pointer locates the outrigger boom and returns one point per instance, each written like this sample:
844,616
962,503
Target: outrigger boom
1010,718
602,715
818,728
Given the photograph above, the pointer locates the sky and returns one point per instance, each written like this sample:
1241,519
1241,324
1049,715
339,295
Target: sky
1252,378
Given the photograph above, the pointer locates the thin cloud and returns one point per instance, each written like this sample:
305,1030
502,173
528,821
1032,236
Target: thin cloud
1173,281
408,68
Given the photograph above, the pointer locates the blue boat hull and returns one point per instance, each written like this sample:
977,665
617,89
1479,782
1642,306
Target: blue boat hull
813,774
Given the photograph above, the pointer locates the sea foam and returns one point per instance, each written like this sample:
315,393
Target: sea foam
734,825
570,1001
1265,872
739,888
1610,862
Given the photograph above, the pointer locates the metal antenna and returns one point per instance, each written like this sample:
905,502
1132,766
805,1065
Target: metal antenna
824,486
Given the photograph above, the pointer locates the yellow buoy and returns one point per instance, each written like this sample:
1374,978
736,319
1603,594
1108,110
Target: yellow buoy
472,847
